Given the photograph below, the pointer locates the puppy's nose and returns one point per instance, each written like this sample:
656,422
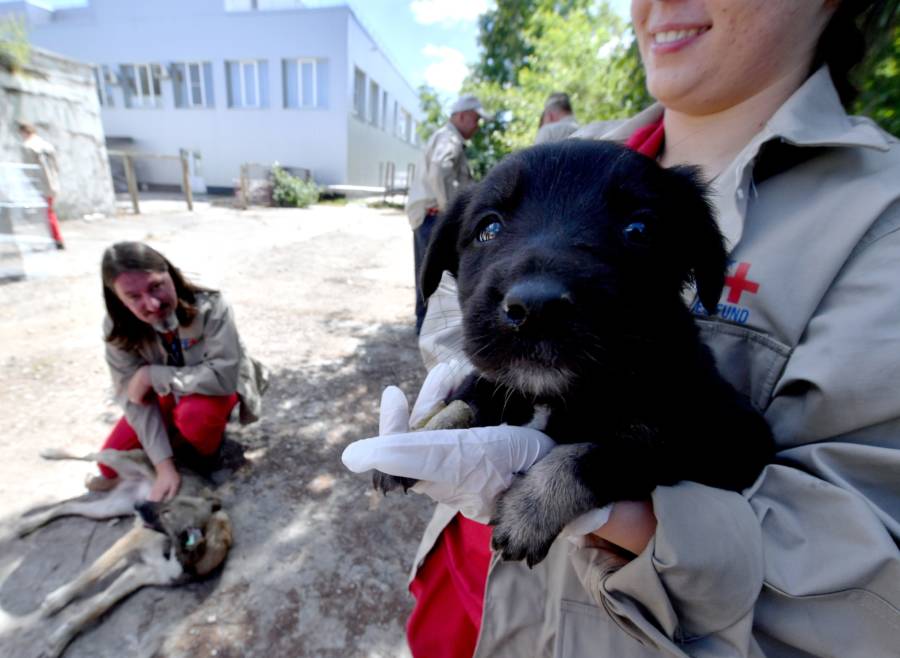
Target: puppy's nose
534,298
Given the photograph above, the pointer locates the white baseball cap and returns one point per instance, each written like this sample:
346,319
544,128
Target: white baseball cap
470,102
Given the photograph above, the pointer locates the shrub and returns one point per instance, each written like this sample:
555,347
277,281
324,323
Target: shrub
14,47
290,191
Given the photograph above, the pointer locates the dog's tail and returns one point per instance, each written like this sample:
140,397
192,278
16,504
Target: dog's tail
57,453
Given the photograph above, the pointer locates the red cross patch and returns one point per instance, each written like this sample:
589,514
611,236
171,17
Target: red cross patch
738,284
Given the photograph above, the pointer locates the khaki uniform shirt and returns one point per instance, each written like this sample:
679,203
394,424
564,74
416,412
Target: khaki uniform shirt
443,170
556,131
216,363
41,152
805,562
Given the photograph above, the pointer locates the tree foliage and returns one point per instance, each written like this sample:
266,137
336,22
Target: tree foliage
580,47
532,48
434,115
15,50
878,78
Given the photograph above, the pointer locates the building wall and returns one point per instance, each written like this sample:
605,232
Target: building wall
58,97
380,139
114,32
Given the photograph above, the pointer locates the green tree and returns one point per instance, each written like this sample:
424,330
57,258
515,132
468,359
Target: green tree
586,51
878,78
14,47
433,111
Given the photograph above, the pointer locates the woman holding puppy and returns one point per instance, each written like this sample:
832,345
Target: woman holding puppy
177,363
805,562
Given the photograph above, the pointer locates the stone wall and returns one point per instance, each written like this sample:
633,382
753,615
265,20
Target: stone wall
58,96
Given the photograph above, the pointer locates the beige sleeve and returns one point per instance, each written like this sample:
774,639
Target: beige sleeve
443,170
145,419
218,373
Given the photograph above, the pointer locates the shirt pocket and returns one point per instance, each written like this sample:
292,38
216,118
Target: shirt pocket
748,359
586,630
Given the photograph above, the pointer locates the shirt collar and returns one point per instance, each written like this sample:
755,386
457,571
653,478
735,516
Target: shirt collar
169,324
812,116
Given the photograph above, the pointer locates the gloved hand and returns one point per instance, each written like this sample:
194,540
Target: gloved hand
463,468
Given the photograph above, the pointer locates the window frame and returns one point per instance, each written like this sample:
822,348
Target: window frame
299,62
241,63
138,94
188,98
359,93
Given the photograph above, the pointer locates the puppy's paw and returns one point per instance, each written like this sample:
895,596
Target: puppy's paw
54,602
531,513
385,483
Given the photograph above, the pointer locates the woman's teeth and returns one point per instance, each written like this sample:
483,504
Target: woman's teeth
676,35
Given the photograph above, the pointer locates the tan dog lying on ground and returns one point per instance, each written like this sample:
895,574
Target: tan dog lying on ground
171,543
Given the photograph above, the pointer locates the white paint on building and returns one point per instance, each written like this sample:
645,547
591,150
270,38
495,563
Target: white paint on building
307,87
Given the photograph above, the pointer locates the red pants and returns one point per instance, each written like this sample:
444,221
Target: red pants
53,223
197,419
449,591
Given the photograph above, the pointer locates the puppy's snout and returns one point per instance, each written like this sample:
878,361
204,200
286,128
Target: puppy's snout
533,299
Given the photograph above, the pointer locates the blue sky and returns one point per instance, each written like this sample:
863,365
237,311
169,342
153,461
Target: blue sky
430,41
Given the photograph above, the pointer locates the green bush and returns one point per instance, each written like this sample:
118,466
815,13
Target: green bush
289,191
14,47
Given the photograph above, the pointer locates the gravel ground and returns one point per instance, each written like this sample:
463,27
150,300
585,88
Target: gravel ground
323,297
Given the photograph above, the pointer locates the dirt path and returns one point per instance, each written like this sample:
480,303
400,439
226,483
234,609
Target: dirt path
324,298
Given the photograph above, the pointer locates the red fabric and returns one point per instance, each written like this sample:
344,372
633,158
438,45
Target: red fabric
198,419
449,588
449,592
53,222
648,140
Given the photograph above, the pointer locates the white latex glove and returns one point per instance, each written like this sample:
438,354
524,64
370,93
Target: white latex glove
463,468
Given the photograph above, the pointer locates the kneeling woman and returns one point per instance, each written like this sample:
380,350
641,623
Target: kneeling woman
177,363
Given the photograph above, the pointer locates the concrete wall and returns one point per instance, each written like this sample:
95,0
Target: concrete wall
380,140
59,97
114,32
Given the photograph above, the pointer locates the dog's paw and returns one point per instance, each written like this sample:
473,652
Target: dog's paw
521,531
531,513
385,483
54,602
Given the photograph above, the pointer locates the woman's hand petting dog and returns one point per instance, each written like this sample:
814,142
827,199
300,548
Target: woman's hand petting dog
167,482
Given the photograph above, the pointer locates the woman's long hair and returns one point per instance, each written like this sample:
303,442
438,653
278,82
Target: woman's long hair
855,26
128,332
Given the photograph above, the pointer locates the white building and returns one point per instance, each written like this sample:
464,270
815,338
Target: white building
239,81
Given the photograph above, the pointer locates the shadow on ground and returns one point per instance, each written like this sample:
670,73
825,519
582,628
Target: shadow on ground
319,564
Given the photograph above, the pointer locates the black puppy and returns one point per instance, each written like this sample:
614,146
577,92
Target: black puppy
571,261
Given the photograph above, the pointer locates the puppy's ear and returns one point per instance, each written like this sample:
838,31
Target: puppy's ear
441,254
703,242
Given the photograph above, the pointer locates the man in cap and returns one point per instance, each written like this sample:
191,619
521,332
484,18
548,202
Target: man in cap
442,173
557,120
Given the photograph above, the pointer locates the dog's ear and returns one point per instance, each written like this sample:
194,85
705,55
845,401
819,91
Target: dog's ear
441,254
703,242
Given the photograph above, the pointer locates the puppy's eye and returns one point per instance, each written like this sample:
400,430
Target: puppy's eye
489,232
490,228
636,233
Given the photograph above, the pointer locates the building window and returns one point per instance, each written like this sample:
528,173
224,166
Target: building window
104,78
248,83
359,93
384,110
396,123
305,82
404,128
374,98
193,84
141,84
